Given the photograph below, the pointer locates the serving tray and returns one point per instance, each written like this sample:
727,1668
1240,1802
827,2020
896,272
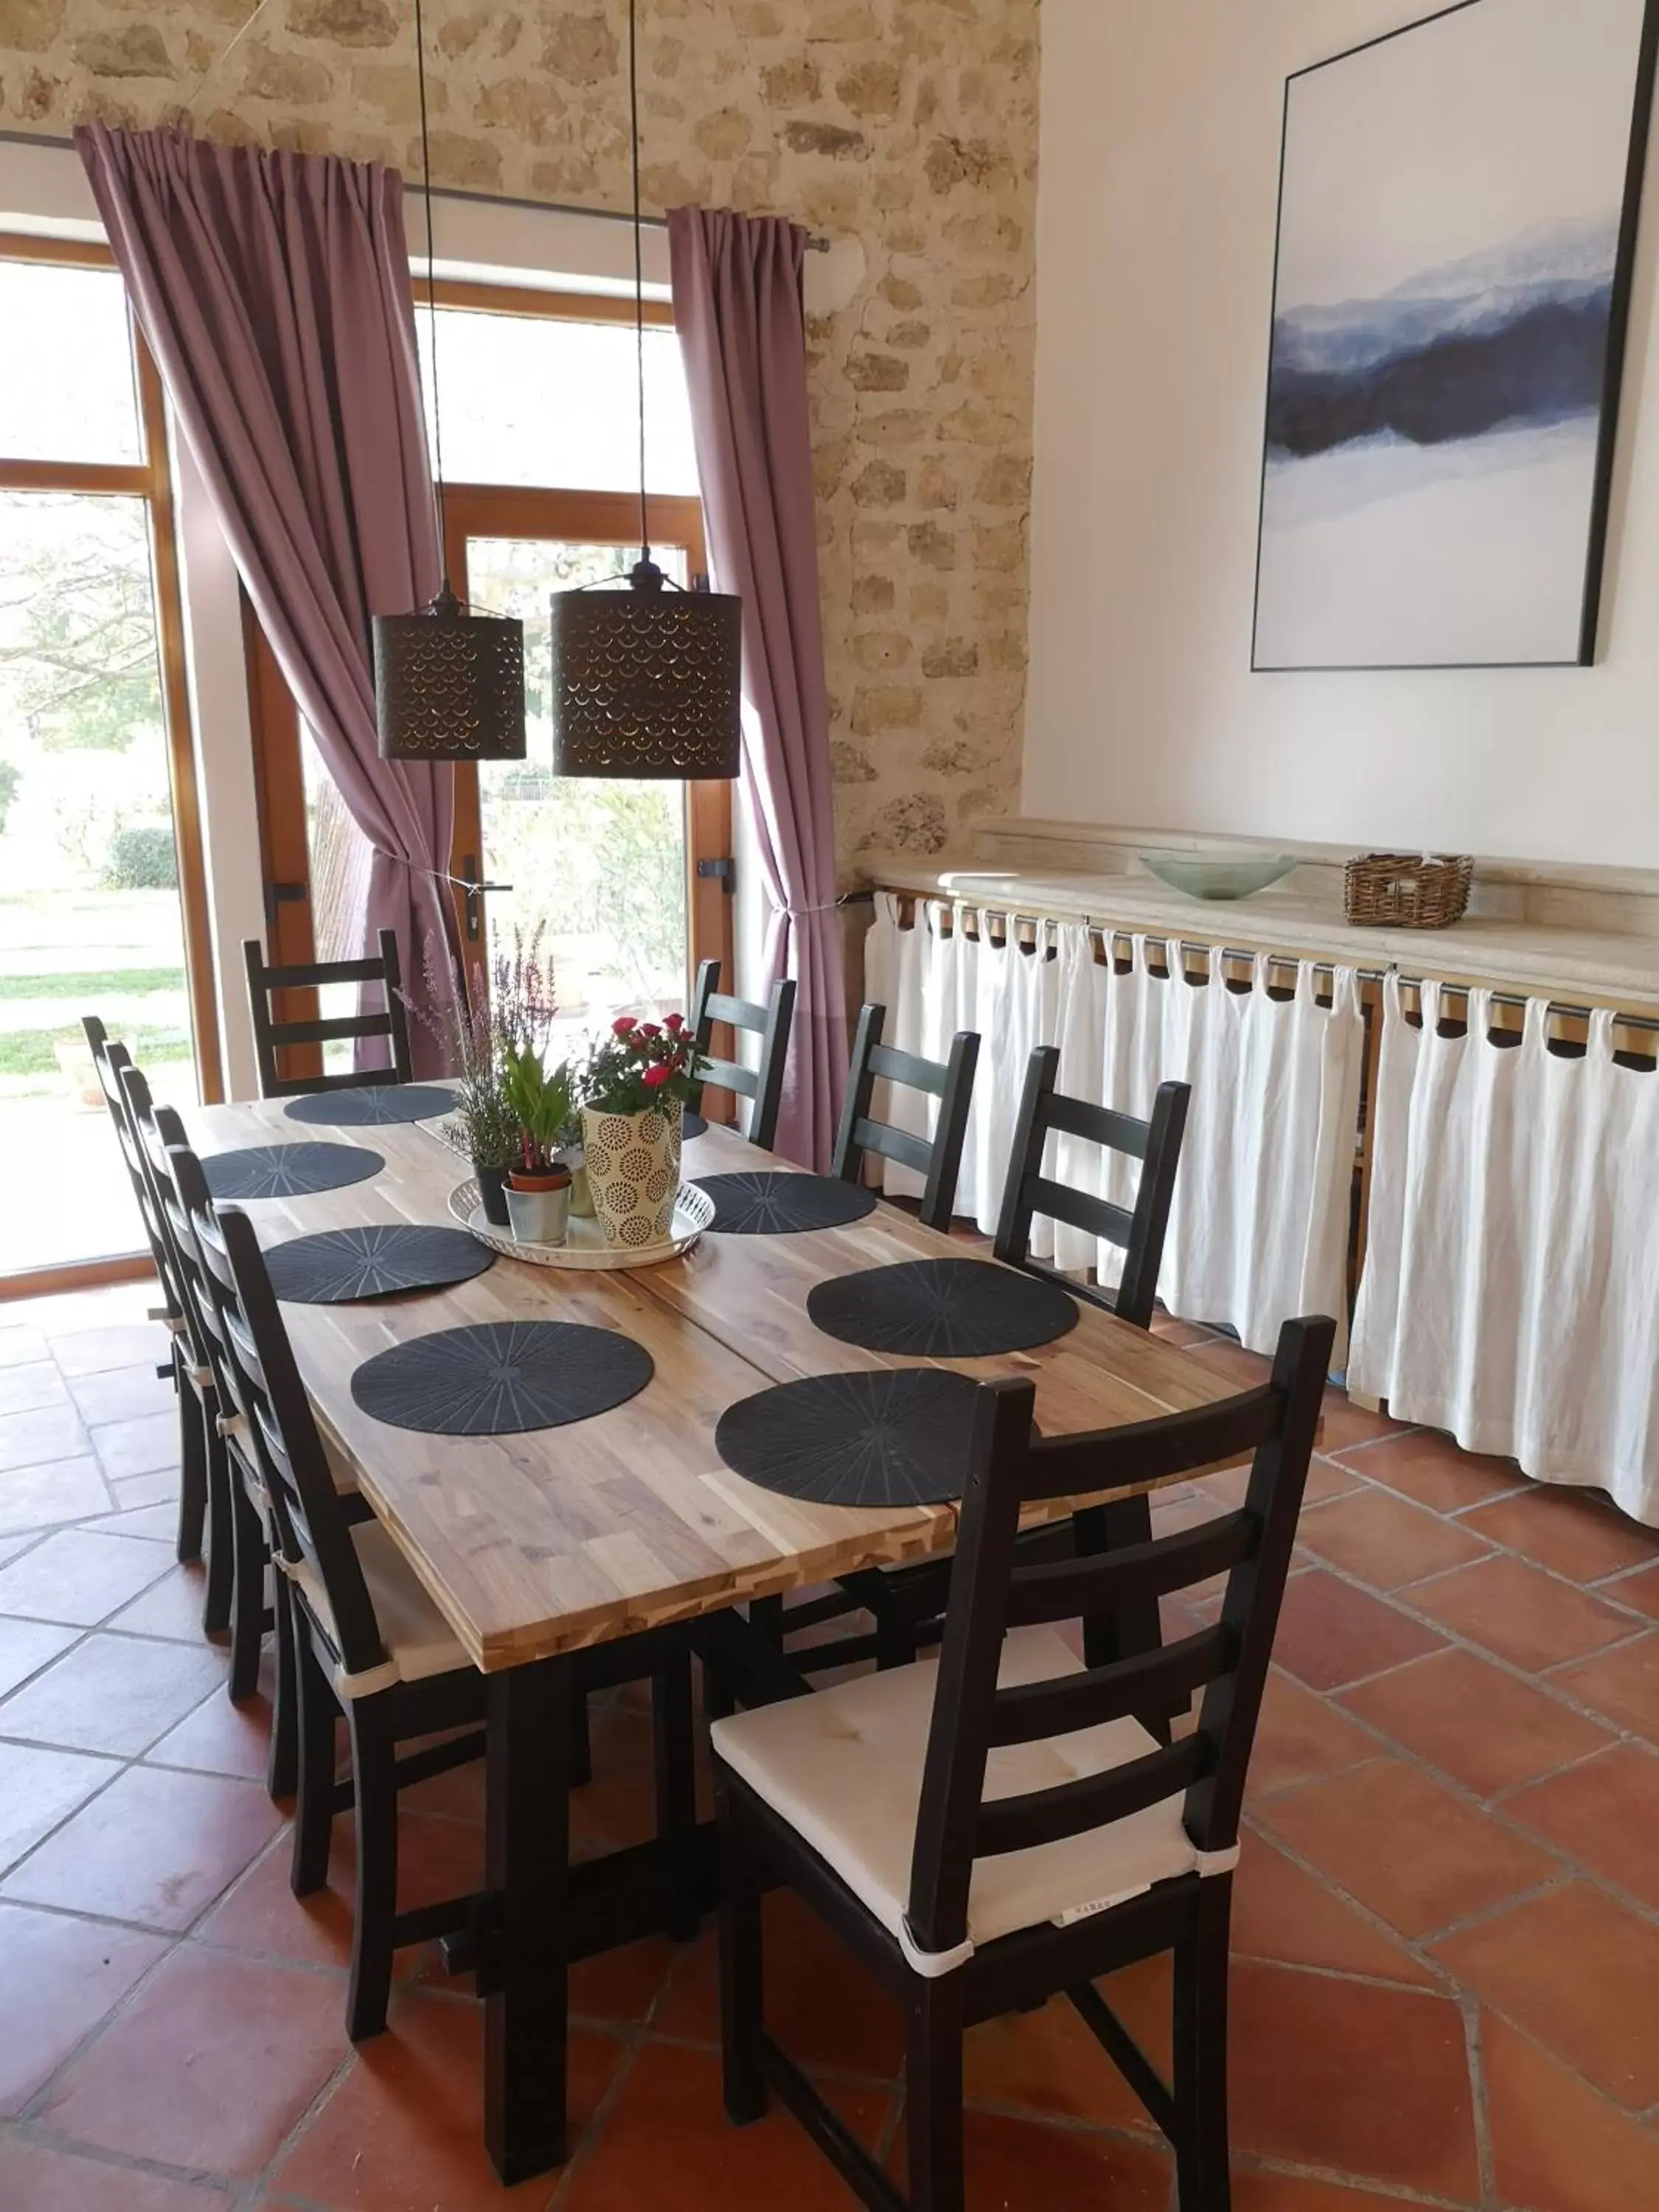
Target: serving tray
585,1246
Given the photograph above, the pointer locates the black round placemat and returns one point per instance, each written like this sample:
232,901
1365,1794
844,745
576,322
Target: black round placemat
373,1262
941,1310
897,1437
776,1205
288,1170
502,1377
374,1106
692,1124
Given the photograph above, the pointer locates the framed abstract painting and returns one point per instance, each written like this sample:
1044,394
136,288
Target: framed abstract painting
1457,217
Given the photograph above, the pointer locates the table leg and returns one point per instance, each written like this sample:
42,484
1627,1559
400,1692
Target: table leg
527,1851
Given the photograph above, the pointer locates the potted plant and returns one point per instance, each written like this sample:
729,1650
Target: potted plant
484,1123
635,1088
539,1182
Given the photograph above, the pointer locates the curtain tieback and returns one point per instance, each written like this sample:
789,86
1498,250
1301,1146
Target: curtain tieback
797,912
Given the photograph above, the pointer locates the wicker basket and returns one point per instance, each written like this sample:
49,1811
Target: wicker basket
1409,890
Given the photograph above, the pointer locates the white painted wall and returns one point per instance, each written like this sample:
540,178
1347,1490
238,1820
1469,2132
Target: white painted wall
1157,202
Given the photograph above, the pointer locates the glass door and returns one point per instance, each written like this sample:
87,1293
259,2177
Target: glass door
605,873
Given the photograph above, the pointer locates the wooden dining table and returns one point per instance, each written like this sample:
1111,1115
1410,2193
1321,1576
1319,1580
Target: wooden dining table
540,1546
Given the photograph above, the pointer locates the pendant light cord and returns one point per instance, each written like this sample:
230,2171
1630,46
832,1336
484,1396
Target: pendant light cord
431,302
639,259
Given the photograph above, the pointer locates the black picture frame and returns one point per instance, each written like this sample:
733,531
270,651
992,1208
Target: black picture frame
1613,380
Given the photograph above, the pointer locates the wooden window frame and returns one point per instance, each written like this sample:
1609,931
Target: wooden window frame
150,480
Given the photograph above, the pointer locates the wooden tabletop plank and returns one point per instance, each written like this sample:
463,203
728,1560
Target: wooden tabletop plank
567,1537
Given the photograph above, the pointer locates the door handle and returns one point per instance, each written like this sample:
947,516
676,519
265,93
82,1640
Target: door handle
471,891
284,894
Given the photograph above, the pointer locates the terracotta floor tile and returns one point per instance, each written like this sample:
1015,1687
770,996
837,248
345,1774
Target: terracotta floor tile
171,1609
1285,1915
137,1447
1049,2062
112,1693
1343,1425
1623,1684
123,1393
1558,2143
1579,1532
77,1576
1432,1469
13,1547
1353,2078
74,1972
403,2130
622,1987
1580,1974
157,1524
219,1738
1261,2191
159,1488
84,1351
156,1848
1606,1813
821,2004
45,1496
1330,1634
1525,1616
262,1915
209,2066
55,1433
1404,1847
21,1345
1477,1723
1299,1736
1020,2166
38,1789
665,2141
1641,1590
1381,1539
57,2181
25,1648
31,1387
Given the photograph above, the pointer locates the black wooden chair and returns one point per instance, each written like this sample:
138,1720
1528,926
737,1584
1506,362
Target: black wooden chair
183,1363
370,1644
995,1829
937,1159
762,1085
270,1036
1045,1112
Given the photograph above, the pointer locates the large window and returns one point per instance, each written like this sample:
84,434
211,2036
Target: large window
541,460
97,915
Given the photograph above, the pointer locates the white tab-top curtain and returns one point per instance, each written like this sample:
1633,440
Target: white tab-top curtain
1511,1285
1258,1231
1259,1227
935,979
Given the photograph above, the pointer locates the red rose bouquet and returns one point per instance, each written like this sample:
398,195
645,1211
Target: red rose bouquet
640,1065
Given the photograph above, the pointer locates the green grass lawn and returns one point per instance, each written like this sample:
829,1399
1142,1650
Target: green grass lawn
30,1052
93,982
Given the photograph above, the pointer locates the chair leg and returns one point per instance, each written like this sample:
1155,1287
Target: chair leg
1200,2053
247,1600
932,2097
192,1464
313,1811
283,1774
374,1767
675,1771
742,2010
221,1531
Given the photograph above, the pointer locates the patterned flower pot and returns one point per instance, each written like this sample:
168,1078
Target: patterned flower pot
634,1172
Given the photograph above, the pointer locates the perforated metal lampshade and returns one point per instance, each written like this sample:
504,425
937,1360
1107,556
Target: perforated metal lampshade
449,684
646,682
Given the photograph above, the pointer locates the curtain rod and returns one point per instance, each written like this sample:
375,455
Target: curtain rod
1519,1001
814,245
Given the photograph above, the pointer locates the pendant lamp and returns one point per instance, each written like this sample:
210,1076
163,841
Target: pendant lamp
448,681
647,678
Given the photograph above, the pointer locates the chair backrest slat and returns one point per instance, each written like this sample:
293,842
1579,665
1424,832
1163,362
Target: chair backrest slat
153,1127
937,1159
762,1084
1151,1681
1146,1451
1139,1231
272,1036
1008,1470
110,1059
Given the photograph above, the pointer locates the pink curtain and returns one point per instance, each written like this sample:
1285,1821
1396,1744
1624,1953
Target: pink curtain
273,290
737,305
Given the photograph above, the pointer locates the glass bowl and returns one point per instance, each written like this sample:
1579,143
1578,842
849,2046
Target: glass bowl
1217,875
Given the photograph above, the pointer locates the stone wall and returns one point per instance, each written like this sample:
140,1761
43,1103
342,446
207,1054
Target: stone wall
909,124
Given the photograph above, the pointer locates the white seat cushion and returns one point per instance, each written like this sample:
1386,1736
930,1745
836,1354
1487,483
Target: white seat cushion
234,1426
843,1767
419,1642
